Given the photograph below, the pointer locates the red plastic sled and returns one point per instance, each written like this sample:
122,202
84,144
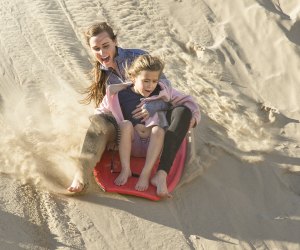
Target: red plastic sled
105,173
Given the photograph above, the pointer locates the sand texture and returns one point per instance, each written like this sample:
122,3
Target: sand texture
241,185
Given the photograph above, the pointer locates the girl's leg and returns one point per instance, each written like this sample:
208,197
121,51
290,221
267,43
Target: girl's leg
154,149
179,119
126,130
92,149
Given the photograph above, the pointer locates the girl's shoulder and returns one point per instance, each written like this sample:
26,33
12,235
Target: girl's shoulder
164,86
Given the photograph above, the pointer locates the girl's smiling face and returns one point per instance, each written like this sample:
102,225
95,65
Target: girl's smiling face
104,49
145,82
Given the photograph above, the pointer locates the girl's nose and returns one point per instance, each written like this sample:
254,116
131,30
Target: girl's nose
99,52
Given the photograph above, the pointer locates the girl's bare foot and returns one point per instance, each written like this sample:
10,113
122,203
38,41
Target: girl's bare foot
143,182
123,176
77,183
160,182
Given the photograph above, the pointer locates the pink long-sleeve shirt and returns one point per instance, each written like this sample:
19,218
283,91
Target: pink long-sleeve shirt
110,104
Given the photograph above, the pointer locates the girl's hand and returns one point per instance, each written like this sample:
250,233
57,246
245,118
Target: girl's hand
192,123
140,112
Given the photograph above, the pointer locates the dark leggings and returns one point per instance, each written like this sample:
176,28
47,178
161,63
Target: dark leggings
179,119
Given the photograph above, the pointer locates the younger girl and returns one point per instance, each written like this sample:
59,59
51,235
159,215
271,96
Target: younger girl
138,137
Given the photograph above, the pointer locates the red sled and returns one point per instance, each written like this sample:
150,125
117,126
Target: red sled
109,167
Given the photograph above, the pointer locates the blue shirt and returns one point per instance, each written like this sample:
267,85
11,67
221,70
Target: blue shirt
128,100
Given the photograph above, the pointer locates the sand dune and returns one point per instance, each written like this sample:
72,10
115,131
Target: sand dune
241,185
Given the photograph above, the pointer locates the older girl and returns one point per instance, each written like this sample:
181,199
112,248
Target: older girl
109,68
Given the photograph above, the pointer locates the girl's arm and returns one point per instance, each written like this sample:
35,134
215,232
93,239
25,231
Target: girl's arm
165,80
154,106
103,107
115,88
178,98
145,110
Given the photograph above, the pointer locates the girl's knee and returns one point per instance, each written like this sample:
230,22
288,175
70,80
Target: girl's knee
180,116
184,112
126,126
157,131
99,124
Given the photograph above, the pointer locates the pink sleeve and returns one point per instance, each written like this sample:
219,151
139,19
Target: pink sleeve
178,98
103,107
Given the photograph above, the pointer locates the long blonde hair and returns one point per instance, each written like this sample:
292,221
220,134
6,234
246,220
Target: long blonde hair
96,91
144,62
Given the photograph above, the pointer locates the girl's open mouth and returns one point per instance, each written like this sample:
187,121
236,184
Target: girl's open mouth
105,59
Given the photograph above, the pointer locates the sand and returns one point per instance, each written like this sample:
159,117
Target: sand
241,185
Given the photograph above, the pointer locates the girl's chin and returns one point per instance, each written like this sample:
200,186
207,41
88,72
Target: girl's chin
106,64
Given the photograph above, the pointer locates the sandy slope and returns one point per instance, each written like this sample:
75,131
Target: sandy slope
241,186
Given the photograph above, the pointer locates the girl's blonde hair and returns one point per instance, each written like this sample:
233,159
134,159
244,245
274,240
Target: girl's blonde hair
144,62
96,91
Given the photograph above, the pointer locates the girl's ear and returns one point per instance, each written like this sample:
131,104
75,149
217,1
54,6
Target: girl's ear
130,77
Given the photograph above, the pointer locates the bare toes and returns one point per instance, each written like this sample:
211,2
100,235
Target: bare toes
122,178
75,188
